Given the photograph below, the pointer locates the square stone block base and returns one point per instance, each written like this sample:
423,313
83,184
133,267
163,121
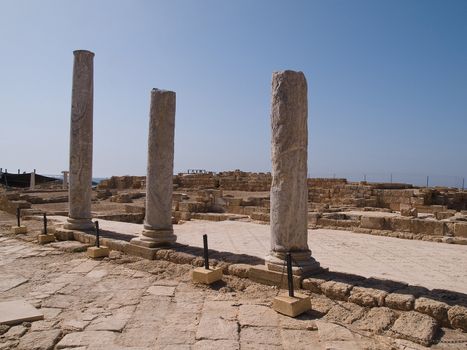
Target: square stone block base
201,275
98,252
19,229
45,238
291,306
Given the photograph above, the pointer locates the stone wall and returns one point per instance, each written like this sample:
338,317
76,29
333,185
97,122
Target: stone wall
122,182
196,181
243,181
9,202
332,192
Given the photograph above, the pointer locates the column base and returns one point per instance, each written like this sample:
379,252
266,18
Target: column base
303,264
79,224
155,238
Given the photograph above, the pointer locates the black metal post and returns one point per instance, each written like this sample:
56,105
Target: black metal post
206,254
97,234
18,216
45,223
289,274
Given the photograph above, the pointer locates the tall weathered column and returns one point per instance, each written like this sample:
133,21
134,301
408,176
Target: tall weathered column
158,228
79,217
289,193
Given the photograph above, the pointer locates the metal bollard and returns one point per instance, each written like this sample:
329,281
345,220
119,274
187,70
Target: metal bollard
97,234
290,275
45,223
206,254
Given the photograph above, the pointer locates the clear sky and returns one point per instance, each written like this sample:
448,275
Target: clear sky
387,82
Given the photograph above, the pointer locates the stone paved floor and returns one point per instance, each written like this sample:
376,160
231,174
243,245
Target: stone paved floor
428,264
130,303
125,302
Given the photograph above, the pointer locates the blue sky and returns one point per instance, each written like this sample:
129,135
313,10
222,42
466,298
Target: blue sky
387,82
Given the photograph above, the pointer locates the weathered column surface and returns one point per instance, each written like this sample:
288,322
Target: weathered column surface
79,217
65,180
289,193
158,228
32,182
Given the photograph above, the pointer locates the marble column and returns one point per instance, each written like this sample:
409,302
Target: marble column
32,183
158,228
65,180
79,217
289,193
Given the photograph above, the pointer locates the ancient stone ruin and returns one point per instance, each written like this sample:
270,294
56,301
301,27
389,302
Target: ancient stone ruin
153,226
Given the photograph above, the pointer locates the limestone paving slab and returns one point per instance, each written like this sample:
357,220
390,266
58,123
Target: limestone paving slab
18,311
167,291
8,282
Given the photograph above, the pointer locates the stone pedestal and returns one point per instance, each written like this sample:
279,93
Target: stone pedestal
19,229
98,252
289,192
291,306
81,131
45,238
158,229
206,276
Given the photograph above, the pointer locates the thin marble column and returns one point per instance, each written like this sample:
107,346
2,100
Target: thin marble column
32,182
65,180
158,228
80,186
289,193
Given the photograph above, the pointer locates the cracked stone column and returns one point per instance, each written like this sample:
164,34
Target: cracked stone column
289,192
158,228
80,179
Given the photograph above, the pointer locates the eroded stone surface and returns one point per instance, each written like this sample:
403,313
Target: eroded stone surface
368,297
336,290
289,193
458,317
436,309
81,136
376,320
415,327
44,340
345,312
400,301
158,218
